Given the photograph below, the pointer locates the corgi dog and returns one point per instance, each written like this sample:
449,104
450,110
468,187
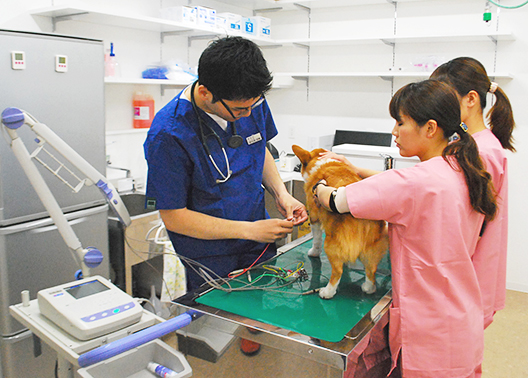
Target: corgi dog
347,238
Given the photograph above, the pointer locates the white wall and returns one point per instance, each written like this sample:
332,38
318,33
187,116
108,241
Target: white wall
323,105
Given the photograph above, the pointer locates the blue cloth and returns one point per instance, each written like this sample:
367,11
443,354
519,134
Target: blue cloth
181,175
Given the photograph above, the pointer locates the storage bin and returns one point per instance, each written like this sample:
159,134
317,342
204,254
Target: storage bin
133,363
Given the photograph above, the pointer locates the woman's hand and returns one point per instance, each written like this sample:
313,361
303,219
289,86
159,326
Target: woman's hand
322,194
361,172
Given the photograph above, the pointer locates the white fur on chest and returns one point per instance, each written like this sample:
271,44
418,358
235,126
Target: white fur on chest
316,167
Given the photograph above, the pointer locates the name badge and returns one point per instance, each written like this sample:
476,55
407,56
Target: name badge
253,138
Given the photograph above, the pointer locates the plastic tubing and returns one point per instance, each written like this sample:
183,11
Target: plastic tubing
139,338
508,6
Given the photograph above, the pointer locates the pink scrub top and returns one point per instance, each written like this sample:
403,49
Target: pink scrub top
436,318
490,256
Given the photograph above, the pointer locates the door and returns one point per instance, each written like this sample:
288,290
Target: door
33,256
70,103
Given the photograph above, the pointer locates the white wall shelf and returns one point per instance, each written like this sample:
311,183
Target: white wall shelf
384,75
124,80
390,39
280,81
128,131
120,19
294,4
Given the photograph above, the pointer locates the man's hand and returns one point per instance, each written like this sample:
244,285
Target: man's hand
269,230
292,209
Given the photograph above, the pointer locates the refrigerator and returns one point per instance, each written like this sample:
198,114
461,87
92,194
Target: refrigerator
33,256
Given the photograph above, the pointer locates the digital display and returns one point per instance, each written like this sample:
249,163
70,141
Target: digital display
86,289
19,56
62,59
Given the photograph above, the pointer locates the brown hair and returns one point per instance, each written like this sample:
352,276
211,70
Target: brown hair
468,74
434,100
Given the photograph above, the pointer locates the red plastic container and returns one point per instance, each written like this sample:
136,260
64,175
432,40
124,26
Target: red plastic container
143,110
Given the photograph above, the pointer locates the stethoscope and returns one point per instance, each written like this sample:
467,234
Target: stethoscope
234,141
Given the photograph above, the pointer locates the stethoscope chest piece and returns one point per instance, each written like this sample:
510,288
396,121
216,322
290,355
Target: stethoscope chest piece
235,141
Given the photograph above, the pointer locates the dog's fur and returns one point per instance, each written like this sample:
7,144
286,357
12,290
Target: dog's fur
347,238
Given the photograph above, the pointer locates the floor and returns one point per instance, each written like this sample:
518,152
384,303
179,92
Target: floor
505,355
506,340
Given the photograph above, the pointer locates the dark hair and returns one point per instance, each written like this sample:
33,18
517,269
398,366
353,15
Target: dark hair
468,74
233,68
434,100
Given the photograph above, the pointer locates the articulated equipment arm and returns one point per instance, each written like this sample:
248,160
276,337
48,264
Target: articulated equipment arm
14,118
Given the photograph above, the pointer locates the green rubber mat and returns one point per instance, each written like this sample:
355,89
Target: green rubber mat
279,303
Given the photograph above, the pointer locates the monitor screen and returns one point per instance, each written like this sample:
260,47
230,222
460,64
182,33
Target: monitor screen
86,289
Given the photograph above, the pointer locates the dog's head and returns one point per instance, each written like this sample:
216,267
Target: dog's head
309,159
313,168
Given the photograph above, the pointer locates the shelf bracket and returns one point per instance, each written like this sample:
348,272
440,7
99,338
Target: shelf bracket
266,10
190,39
391,80
306,79
168,34
303,7
66,17
302,45
303,78
388,43
270,46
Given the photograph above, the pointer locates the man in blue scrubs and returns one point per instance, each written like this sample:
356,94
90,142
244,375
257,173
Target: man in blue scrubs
208,163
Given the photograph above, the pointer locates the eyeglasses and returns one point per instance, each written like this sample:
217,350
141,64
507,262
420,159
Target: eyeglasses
242,110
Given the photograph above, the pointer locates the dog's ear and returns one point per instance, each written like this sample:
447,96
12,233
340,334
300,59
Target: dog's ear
302,154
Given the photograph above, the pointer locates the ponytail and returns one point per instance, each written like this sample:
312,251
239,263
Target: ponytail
435,100
501,119
478,180
468,74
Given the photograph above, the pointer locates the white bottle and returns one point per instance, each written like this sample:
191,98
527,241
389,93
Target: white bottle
112,67
161,371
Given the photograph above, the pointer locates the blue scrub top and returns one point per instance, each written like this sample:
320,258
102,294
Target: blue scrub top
180,173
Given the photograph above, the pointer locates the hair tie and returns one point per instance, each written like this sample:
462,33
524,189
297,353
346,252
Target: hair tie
493,87
464,127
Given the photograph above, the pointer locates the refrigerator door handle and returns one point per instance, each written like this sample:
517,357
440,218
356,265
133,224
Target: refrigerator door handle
18,337
37,344
54,227
41,223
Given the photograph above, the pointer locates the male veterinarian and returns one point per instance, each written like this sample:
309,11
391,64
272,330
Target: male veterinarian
208,163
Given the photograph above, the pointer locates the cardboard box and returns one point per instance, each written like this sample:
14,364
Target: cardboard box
257,26
233,21
183,14
205,16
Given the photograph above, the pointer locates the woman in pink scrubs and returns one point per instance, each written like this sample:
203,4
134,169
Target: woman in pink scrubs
469,78
435,212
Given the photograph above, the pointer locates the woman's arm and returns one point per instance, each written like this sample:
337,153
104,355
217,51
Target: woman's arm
361,172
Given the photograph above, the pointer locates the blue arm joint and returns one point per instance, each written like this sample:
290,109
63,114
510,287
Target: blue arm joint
139,338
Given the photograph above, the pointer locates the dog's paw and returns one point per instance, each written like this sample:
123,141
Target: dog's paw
315,252
327,292
368,287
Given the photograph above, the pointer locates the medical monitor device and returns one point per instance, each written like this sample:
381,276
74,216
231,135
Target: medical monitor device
89,308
